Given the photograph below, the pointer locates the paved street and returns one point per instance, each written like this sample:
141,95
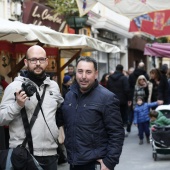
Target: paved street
137,157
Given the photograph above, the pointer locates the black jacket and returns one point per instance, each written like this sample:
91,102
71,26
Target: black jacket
93,126
65,89
119,85
163,88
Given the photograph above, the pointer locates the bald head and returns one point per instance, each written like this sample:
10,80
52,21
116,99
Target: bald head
36,60
141,65
131,69
35,48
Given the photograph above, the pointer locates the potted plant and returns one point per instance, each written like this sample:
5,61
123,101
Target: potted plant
69,9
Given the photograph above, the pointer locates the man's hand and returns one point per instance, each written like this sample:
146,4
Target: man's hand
21,98
103,167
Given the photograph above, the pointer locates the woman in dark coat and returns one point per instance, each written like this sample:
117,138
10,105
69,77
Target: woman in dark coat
160,84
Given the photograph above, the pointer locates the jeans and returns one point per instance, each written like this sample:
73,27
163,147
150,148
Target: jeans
124,113
130,118
48,162
89,166
143,128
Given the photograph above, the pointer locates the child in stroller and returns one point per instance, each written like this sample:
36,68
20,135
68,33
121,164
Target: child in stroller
160,130
157,118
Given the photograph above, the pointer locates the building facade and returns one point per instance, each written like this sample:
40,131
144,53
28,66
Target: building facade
112,28
102,24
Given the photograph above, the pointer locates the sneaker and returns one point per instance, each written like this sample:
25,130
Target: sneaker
140,142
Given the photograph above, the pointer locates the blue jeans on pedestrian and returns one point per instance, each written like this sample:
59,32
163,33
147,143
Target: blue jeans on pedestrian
143,128
89,166
47,162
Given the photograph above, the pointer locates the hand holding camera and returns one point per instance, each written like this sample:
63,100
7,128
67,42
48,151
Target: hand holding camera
27,90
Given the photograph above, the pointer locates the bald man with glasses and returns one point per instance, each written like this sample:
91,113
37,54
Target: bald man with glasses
15,98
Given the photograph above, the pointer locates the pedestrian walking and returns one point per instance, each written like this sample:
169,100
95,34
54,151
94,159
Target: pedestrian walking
163,85
142,119
119,85
140,70
141,89
160,85
130,107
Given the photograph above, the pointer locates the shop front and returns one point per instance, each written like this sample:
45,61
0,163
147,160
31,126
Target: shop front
39,14
20,36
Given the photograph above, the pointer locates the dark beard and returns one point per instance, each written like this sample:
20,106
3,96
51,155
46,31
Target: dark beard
37,78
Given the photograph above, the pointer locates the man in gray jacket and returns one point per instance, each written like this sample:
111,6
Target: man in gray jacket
15,98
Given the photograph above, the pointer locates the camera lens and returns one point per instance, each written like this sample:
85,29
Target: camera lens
29,88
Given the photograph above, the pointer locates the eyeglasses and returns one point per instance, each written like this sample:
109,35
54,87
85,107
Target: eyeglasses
34,60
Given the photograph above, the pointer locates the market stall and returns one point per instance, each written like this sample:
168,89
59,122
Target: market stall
16,37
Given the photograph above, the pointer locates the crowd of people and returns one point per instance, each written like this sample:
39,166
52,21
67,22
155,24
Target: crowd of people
95,114
139,94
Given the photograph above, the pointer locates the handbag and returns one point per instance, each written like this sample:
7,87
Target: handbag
20,158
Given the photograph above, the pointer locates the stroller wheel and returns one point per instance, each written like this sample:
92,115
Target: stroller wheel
154,156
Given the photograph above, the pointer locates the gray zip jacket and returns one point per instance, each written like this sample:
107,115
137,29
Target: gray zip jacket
43,142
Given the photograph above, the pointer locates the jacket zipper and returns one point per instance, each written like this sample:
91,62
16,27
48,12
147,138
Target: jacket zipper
74,133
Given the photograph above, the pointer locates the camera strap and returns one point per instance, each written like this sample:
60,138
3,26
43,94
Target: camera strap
30,143
28,126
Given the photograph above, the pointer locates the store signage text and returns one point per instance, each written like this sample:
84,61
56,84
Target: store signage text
39,14
45,15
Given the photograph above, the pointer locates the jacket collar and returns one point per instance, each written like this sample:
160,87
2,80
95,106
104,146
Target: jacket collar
76,88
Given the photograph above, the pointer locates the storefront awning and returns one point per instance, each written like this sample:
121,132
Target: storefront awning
66,45
14,32
158,50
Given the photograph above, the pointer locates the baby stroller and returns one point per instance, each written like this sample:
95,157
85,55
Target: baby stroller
160,136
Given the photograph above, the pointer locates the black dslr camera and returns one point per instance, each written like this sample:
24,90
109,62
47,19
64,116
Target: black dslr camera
29,88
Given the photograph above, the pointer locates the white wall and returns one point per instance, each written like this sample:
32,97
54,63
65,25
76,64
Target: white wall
10,9
3,9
